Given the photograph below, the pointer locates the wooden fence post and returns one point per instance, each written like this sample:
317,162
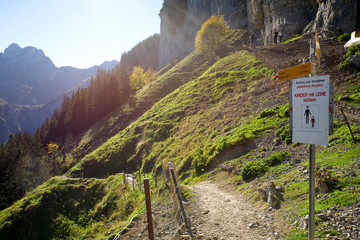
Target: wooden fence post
175,172
155,180
148,209
139,180
178,194
176,208
348,125
133,181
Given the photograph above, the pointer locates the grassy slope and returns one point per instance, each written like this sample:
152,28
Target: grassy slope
64,208
190,68
228,111
189,118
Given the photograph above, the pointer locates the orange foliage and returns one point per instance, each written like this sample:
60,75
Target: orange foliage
208,37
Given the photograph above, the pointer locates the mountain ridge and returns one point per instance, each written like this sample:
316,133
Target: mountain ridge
29,80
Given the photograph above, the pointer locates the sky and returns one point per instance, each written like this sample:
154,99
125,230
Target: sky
78,33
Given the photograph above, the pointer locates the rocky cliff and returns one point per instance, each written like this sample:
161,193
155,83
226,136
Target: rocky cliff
180,20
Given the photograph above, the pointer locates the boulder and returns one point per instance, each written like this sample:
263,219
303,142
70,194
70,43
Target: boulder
355,60
271,195
325,182
273,201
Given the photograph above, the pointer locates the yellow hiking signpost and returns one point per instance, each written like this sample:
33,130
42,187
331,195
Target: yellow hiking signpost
294,72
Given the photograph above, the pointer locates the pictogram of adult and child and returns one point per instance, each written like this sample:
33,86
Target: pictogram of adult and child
307,115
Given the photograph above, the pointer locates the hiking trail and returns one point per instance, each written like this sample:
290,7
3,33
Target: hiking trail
221,213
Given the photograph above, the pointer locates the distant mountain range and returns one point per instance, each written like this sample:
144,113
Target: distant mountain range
32,87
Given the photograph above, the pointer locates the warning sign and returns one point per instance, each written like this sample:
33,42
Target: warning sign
310,106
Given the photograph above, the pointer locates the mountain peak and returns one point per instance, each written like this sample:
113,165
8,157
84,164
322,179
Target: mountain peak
12,50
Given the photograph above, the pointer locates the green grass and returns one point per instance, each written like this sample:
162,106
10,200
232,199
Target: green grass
350,95
346,65
64,208
205,157
344,37
292,39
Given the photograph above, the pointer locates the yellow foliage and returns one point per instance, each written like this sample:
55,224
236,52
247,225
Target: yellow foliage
210,33
150,76
137,78
52,148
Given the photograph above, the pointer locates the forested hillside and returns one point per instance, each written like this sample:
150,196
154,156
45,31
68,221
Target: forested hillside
28,160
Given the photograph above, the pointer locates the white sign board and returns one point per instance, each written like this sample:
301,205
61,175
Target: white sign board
310,106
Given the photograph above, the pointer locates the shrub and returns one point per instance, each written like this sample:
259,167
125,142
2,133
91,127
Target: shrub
253,169
284,133
344,37
352,50
276,158
256,168
346,65
266,113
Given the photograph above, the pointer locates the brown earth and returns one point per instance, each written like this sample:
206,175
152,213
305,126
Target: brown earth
221,213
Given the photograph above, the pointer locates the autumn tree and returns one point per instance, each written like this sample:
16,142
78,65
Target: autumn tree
210,33
150,76
137,78
52,148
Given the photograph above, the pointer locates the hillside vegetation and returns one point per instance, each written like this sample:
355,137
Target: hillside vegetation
207,110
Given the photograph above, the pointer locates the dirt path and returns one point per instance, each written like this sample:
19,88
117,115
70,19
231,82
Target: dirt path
218,213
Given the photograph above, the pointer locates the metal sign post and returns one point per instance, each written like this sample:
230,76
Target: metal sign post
311,104
312,179
312,193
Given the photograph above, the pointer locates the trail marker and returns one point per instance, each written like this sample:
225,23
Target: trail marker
294,72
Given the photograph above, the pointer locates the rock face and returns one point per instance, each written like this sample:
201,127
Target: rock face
337,14
180,20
